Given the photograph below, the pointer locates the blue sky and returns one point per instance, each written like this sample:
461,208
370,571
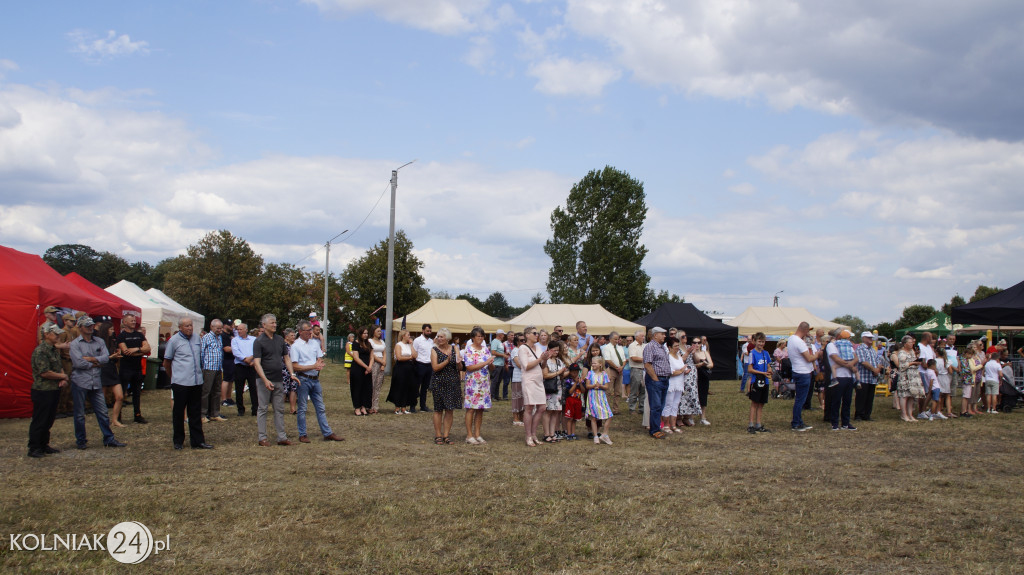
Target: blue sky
859,157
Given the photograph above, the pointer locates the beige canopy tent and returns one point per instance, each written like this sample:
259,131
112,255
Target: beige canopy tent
458,315
599,320
777,320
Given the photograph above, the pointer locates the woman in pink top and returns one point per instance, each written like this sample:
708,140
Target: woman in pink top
534,398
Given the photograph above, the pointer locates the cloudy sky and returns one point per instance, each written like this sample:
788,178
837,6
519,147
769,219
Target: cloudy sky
859,156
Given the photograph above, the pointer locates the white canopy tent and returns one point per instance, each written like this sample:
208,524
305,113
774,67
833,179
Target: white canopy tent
198,319
777,321
158,315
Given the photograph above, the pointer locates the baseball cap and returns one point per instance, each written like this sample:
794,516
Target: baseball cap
50,309
659,330
85,321
868,334
53,328
500,331
312,314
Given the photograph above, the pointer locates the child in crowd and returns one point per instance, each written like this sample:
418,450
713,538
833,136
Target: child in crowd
992,371
760,363
554,370
967,383
943,369
573,411
931,383
517,383
598,408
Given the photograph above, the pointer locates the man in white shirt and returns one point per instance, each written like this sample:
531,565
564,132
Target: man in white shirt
245,373
614,362
423,344
637,391
307,361
802,359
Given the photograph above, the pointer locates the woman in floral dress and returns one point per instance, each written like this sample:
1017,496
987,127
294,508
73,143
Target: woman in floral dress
689,404
444,385
909,387
477,360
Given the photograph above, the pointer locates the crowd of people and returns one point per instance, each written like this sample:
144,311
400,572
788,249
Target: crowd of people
554,381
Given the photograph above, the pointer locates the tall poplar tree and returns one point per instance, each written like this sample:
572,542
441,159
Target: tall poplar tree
595,250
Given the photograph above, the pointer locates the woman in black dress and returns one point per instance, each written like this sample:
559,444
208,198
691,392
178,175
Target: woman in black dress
404,386
360,382
108,373
444,385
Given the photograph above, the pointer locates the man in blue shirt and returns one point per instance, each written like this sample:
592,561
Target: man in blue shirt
212,351
88,355
498,373
183,365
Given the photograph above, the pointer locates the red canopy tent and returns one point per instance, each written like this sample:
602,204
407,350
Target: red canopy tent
27,286
121,307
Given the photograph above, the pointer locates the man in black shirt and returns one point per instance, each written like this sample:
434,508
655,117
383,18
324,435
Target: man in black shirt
270,361
228,364
133,345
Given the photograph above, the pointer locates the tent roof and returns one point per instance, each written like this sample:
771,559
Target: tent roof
938,324
599,320
96,291
29,275
196,317
688,317
458,315
778,320
1003,308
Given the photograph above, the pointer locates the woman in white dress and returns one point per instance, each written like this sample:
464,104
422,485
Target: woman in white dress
675,387
377,367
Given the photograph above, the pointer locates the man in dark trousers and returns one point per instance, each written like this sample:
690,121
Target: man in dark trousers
184,368
47,378
133,345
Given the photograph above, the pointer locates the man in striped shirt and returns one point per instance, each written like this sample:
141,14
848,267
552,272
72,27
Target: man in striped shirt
869,367
212,354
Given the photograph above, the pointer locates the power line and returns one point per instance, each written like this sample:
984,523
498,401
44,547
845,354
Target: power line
379,198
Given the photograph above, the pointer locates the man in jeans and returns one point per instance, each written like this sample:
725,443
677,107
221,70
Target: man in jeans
308,360
657,370
88,354
802,359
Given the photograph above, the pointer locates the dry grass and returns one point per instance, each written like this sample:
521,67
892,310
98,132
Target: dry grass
892,497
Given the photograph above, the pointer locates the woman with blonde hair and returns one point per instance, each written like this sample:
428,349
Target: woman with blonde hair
444,385
403,392
534,398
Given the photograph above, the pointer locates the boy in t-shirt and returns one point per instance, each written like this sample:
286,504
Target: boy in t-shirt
992,370
758,368
931,383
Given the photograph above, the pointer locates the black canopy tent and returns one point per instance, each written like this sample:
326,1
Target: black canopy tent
1005,308
721,338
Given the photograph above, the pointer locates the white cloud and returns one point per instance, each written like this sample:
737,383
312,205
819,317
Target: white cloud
480,54
948,64
96,48
439,16
743,189
7,66
562,76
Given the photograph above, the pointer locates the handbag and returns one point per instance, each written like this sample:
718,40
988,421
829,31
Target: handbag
551,386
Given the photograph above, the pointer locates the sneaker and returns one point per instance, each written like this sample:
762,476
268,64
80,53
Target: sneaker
939,416
140,419
849,428
606,439
923,415
763,429
705,422
803,428
228,403
835,428
751,429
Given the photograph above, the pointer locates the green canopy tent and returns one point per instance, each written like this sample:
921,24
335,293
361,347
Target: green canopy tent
940,324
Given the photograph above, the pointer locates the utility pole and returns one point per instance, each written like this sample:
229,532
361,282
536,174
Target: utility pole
389,341
325,321
776,302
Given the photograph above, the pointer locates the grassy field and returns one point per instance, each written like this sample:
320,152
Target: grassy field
892,497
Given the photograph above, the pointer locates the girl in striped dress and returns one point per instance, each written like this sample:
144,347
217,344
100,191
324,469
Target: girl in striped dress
598,409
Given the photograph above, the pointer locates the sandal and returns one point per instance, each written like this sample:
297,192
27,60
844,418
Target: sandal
447,441
438,441
548,439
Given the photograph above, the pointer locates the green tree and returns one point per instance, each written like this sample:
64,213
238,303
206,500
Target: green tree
656,300
78,258
283,290
947,308
983,292
158,277
886,329
218,277
497,306
857,325
913,315
141,274
365,281
110,269
472,299
595,250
